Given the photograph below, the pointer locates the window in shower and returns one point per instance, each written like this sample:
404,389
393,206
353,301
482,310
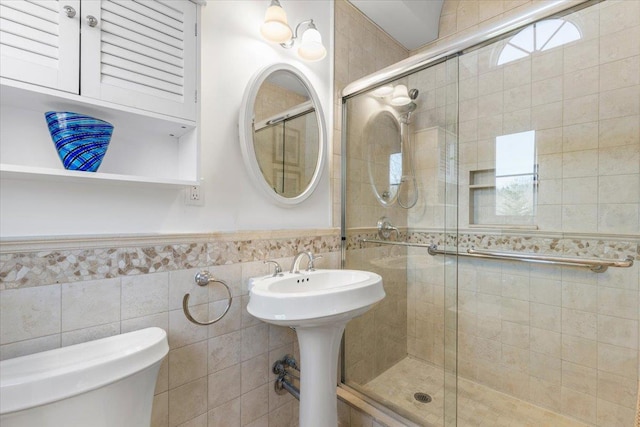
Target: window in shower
539,37
516,176
506,194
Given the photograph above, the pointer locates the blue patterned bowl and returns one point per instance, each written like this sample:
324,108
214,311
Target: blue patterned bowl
81,140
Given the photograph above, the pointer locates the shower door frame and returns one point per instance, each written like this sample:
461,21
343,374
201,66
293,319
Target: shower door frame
456,46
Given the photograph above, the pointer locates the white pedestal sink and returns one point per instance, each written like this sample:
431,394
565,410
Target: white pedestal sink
318,304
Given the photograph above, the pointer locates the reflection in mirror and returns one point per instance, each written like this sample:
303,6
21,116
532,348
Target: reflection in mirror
285,135
384,158
281,133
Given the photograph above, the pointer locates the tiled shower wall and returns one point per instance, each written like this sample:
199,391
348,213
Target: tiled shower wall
60,293
362,48
377,340
563,338
582,101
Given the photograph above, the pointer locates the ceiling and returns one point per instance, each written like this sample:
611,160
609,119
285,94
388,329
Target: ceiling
412,23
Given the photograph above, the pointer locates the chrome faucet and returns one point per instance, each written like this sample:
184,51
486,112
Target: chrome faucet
278,270
385,228
295,267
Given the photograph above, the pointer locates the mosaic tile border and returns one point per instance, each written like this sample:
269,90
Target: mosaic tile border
36,268
570,247
40,267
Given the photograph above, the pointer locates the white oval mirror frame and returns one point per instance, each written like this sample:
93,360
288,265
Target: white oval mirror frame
246,122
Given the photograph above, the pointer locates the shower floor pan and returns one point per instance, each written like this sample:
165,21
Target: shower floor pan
478,406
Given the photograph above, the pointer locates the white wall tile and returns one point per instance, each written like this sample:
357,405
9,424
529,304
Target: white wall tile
618,360
254,405
90,303
187,364
224,385
90,334
144,295
225,415
618,331
619,131
255,372
580,378
29,313
181,331
579,405
187,401
30,346
224,351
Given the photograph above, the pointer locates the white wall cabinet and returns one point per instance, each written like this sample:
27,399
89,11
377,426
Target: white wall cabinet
133,64
40,44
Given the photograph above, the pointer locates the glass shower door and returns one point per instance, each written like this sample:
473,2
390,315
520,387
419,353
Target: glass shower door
401,173
549,165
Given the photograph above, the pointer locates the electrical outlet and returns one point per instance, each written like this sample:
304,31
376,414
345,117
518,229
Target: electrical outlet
194,195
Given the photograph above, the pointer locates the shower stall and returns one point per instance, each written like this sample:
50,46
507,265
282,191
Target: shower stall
495,186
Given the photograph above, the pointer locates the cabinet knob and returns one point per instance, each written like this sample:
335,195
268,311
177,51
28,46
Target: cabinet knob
91,20
71,12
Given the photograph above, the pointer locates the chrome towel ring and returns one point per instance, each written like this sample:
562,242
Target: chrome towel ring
203,278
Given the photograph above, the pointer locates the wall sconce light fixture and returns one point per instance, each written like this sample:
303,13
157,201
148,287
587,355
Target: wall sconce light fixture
383,91
275,28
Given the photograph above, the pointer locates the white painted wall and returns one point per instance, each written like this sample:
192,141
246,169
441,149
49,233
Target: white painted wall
232,51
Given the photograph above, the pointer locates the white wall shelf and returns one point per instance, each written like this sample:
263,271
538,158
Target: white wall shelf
146,147
37,173
135,66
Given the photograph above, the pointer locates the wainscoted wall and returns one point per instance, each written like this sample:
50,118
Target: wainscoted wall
61,292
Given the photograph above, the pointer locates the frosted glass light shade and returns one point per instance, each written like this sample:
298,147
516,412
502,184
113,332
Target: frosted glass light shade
383,91
275,27
311,47
400,95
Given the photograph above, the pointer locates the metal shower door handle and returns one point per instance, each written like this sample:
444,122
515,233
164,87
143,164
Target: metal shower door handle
92,20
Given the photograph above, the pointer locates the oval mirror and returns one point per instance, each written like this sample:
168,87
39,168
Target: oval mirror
282,134
383,140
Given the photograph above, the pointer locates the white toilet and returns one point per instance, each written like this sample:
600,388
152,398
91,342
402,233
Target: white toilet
103,383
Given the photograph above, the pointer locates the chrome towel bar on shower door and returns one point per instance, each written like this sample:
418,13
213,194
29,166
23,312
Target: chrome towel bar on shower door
396,243
595,265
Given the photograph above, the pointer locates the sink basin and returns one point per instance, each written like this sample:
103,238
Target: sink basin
316,297
318,304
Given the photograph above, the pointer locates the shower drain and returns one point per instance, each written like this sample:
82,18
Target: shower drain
422,397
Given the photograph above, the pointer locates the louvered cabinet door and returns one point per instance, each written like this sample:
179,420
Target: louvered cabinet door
141,53
39,43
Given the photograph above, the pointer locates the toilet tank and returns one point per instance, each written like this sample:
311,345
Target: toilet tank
104,383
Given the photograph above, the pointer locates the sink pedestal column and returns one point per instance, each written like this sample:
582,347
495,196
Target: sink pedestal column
319,351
